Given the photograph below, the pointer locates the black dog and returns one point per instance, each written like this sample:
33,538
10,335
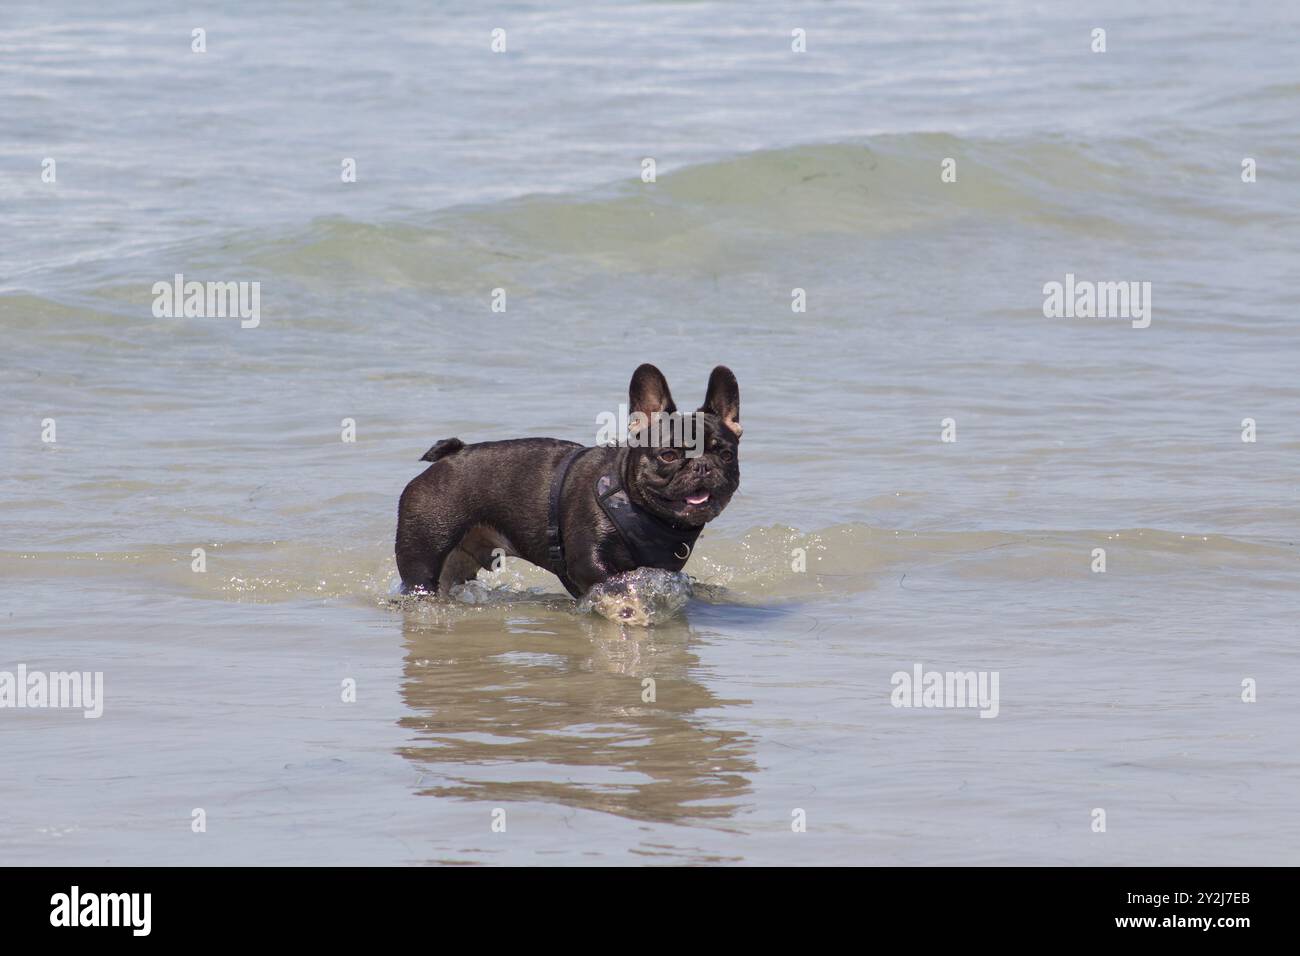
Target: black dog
585,514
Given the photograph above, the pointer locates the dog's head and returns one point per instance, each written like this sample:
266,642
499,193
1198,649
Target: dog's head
683,467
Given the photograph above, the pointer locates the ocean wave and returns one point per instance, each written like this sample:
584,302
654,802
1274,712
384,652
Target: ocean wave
714,216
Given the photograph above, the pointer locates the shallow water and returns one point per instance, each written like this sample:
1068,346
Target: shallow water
223,689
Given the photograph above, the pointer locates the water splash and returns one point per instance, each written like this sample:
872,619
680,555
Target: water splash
642,597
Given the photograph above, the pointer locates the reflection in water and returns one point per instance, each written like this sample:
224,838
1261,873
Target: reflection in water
533,702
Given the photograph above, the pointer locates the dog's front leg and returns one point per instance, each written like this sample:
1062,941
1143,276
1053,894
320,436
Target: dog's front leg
586,570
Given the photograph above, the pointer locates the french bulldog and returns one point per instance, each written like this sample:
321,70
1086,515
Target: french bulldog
585,514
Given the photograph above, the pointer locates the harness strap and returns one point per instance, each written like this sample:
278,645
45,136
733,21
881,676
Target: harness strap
554,539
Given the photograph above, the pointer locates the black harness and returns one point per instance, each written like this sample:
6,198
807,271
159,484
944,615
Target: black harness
652,541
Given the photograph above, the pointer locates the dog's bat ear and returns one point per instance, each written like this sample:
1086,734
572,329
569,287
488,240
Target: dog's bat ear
648,393
722,398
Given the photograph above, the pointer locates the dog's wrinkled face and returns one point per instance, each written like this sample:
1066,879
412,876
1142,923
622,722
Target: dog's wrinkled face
689,471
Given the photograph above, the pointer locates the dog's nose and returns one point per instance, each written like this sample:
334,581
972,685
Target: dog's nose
701,467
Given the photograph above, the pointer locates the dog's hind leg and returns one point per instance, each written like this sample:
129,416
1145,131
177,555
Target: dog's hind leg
438,560
427,530
423,553
481,547
459,567
420,571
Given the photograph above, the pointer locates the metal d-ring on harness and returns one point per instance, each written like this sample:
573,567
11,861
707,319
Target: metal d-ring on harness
652,541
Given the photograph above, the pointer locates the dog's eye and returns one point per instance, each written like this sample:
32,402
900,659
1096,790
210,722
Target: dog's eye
725,454
668,456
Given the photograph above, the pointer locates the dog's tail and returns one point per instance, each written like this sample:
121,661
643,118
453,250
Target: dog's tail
448,446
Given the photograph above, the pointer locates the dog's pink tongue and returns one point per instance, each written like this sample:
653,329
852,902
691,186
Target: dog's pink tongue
699,499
